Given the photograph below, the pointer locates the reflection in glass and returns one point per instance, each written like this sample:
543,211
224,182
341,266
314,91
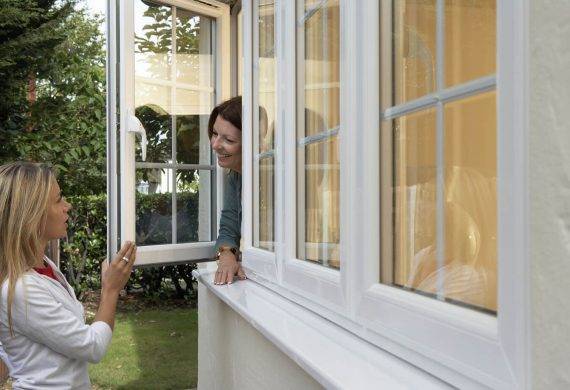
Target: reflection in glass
264,174
153,40
470,40
265,234
320,66
465,271
193,204
194,48
154,206
266,89
411,46
192,144
157,124
318,203
318,121
414,192
471,200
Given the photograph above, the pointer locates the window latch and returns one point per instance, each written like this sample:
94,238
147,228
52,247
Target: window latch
135,126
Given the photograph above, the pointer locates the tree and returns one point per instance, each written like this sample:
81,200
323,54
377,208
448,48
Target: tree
68,116
29,32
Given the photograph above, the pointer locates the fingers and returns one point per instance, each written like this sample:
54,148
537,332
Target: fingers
225,274
241,273
124,249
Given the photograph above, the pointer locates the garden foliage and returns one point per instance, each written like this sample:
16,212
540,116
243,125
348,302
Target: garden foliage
86,246
53,109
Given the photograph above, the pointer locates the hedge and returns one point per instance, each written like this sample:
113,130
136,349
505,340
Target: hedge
86,245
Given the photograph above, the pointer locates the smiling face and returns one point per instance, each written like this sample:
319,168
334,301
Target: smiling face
56,222
226,142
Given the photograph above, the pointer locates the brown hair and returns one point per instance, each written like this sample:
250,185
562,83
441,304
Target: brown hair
230,110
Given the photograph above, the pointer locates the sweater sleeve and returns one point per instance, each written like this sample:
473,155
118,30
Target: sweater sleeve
229,233
41,318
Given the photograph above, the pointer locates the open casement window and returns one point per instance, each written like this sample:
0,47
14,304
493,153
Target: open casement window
172,73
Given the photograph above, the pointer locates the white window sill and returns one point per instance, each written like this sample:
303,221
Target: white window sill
329,353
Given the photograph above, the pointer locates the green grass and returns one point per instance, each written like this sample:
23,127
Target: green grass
151,349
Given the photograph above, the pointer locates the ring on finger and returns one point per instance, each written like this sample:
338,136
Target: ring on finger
125,259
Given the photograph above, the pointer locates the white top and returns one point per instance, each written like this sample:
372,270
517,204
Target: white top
52,345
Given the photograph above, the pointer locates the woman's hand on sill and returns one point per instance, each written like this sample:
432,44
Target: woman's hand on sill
228,267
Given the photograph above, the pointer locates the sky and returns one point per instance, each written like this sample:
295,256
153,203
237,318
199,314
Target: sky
96,6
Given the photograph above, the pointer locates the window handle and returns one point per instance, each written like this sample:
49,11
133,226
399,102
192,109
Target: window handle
135,126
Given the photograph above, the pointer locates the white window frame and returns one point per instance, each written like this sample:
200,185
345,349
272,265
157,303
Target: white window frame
464,347
258,260
167,253
306,282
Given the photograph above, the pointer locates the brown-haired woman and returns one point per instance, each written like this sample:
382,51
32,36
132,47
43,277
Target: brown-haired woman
44,339
224,130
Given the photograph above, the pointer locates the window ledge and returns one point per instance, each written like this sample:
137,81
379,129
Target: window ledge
333,356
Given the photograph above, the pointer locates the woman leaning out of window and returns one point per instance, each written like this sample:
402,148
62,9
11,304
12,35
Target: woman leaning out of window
224,130
45,341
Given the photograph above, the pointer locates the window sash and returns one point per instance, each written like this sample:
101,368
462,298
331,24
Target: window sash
122,203
494,351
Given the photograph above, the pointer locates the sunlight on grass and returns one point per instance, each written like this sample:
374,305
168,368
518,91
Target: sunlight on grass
151,349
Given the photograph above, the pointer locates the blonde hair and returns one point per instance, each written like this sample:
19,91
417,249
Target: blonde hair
25,190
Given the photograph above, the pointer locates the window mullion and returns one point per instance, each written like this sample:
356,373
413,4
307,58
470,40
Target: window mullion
440,150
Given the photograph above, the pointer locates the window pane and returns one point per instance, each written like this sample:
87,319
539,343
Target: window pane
409,49
153,40
266,75
318,42
194,49
192,143
318,203
264,210
414,197
193,205
470,36
318,121
265,232
158,124
470,271
153,206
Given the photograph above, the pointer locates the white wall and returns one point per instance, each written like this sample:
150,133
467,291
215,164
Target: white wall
234,355
550,191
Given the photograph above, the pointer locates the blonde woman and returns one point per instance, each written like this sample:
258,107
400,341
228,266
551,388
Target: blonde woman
45,341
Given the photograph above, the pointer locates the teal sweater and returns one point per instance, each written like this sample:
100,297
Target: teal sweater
229,233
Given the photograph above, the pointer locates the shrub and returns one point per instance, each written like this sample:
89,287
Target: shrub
86,246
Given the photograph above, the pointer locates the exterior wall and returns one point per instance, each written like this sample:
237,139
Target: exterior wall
233,355
549,144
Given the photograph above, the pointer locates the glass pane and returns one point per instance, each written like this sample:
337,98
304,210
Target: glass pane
470,271
153,206
193,205
318,183
153,40
414,197
319,67
192,143
157,123
470,40
189,102
265,232
411,46
194,49
266,60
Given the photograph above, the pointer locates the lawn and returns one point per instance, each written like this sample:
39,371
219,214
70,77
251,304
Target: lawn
151,349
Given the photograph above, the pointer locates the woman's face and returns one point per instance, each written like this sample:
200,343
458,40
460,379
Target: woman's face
226,142
56,223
